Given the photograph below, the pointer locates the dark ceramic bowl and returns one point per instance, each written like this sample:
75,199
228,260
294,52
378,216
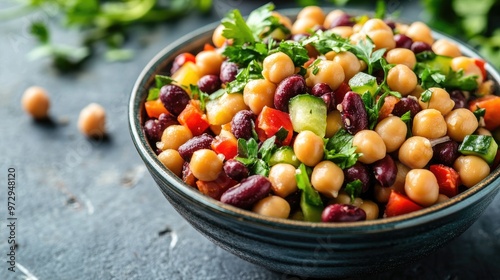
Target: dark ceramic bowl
305,248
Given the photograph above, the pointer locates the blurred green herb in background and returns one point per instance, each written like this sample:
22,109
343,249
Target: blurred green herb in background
98,21
109,20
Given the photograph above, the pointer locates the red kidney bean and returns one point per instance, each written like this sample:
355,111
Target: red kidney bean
248,192
194,144
288,88
342,213
353,113
459,98
418,47
404,105
359,171
320,89
174,98
235,170
243,124
228,72
390,23
445,153
209,83
294,200
403,41
154,127
342,20
187,175
385,171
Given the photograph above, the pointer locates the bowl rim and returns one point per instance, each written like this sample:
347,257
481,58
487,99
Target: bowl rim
426,215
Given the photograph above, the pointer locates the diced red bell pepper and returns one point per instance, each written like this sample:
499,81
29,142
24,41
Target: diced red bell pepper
194,118
481,65
491,103
208,47
225,143
341,91
180,60
271,121
154,108
399,204
448,179
388,106
216,188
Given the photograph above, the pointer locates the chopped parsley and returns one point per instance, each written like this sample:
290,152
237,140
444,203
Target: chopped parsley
339,149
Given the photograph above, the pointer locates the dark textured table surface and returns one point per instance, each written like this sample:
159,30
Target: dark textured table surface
89,209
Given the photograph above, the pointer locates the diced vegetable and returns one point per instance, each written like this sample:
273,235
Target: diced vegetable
187,75
483,146
193,118
362,82
481,64
440,63
491,104
225,143
399,204
284,154
448,179
310,200
308,112
270,121
154,108
216,188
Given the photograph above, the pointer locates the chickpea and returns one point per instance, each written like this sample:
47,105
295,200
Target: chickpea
282,178
217,37
472,169
174,136
483,131
469,67
344,198
304,25
442,198
286,21
209,62
440,100
259,93
172,160
393,132
328,72
371,209
461,122
419,31
92,120
402,79
333,123
370,144
402,56
415,152
308,147
429,123
330,17
422,187
375,24
272,206
277,66
312,12
381,194
36,102
327,178
446,48
343,31
349,63
206,165
382,39
399,184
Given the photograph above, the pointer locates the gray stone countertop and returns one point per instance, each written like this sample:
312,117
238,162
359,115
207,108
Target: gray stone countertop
90,210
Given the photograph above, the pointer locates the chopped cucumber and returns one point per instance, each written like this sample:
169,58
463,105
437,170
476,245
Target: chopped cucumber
483,146
308,112
437,62
362,82
284,154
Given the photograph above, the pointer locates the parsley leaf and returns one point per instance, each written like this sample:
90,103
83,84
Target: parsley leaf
237,29
296,51
364,51
479,113
339,149
456,79
373,107
426,96
310,201
244,54
252,72
354,189
162,80
257,160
